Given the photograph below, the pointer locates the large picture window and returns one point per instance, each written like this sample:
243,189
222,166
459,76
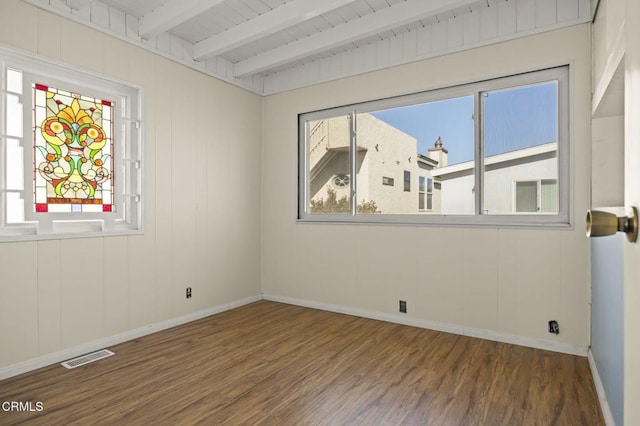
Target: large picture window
494,152
70,152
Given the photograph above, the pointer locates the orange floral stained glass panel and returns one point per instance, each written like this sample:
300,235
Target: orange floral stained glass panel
73,152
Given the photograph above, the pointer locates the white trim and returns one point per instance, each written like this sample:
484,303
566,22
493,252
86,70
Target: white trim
54,358
602,395
435,325
612,76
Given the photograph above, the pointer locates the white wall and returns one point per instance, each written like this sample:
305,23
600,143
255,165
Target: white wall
458,195
202,199
607,159
504,281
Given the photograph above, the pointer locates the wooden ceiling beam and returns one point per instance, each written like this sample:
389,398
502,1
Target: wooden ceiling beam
383,20
172,14
264,25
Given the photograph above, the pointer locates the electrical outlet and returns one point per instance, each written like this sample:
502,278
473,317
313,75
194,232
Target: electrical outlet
188,292
403,306
554,327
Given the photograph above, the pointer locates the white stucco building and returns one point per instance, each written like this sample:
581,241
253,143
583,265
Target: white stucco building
390,171
520,181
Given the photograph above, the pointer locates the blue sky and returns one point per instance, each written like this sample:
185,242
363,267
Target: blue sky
514,119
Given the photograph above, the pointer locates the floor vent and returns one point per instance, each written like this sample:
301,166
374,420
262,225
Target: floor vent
86,359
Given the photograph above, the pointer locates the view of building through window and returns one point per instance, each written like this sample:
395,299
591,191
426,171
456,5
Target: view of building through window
431,148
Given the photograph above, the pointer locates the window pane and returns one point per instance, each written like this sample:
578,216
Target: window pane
14,81
446,144
549,196
15,165
383,156
14,116
15,208
329,165
407,142
527,197
520,143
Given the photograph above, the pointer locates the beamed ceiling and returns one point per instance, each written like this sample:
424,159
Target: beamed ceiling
272,45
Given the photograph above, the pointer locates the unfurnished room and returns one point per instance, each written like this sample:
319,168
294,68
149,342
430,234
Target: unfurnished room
284,212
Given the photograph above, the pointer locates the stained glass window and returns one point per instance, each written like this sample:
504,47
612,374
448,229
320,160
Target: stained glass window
73,151
70,151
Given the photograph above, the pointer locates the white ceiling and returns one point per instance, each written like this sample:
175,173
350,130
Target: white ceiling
266,36
269,46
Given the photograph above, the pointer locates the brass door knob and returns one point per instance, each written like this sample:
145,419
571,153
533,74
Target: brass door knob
600,224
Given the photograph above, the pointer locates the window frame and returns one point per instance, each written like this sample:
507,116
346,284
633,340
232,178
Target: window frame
564,217
128,214
428,202
406,180
422,190
539,183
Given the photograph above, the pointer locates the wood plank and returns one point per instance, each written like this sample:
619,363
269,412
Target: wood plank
488,22
526,15
273,363
471,26
507,20
546,13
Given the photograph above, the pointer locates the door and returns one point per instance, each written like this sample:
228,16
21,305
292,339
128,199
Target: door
632,198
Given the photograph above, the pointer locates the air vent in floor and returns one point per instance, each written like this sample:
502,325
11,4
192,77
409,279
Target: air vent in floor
86,359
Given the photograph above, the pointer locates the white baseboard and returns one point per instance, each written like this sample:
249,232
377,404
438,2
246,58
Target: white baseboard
602,395
434,325
30,365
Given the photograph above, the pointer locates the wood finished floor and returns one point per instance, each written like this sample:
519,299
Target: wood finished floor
270,363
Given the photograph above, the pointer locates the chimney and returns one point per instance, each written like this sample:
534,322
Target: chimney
438,153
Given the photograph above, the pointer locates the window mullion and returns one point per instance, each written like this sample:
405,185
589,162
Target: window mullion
27,145
303,166
353,148
479,152
539,195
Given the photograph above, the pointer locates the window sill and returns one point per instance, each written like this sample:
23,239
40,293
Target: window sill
32,236
458,221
